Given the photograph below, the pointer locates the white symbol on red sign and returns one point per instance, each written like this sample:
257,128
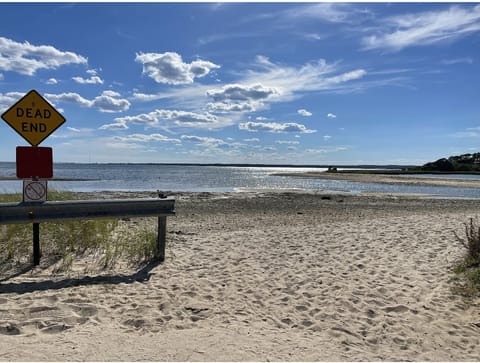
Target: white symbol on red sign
34,191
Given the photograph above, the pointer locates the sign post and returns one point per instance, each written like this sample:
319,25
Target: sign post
34,119
36,244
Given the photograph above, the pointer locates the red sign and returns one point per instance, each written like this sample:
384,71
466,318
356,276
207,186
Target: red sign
34,162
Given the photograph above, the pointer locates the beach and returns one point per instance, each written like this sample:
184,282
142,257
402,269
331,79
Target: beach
440,181
262,276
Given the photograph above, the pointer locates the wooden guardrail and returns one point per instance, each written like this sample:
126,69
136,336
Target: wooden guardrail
35,213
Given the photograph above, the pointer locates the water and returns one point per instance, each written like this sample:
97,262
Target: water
194,178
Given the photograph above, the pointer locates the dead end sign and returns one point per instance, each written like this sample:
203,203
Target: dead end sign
33,118
34,162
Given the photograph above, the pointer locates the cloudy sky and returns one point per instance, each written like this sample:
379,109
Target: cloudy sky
297,83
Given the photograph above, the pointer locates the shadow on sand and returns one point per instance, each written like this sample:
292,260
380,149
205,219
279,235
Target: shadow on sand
26,287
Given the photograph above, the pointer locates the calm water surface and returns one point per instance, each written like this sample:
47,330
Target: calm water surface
194,178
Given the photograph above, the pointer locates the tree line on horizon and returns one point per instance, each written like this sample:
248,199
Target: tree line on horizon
460,163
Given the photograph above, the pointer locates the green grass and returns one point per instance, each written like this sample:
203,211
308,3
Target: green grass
467,269
109,240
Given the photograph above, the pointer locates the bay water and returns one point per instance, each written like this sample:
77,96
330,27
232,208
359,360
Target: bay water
199,178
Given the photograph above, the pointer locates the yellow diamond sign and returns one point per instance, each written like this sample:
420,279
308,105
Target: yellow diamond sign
33,118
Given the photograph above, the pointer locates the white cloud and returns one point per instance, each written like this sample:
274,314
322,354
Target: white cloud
238,92
169,68
224,107
425,28
282,142
204,141
262,85
9,99
52,81
73,129
192,96
179,118
219,145
275,127
304,112
331,115
288,81
327,137
326,150
253,139
275,83
143,97
312,36
26,59
327,12
119,125
345,77
108,101
146,138
448,62
91,80
269,149
239,98
123,146
68,97
471,132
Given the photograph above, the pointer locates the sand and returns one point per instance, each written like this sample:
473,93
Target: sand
259,276
438,181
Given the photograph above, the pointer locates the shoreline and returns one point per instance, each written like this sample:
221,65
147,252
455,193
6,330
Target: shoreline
14,178
388,179
259,276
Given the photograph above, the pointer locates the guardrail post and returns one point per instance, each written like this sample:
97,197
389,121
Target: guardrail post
36,244
161,238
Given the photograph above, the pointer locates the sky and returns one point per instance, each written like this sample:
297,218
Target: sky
272,83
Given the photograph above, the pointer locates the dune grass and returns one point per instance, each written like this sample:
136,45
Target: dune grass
468,268
109,240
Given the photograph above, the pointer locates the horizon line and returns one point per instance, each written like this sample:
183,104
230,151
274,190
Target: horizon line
236,164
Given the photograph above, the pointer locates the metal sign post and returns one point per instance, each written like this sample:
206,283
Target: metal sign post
35,192
36,244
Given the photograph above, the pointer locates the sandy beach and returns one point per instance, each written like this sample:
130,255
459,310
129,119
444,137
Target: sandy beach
262,276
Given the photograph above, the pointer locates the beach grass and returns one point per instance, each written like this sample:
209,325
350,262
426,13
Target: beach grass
468,268
110,240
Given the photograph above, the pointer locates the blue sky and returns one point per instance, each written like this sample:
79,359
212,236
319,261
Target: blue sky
297,83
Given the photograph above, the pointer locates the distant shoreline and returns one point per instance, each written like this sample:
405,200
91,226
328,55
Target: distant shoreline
7,178
390,169
240,165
